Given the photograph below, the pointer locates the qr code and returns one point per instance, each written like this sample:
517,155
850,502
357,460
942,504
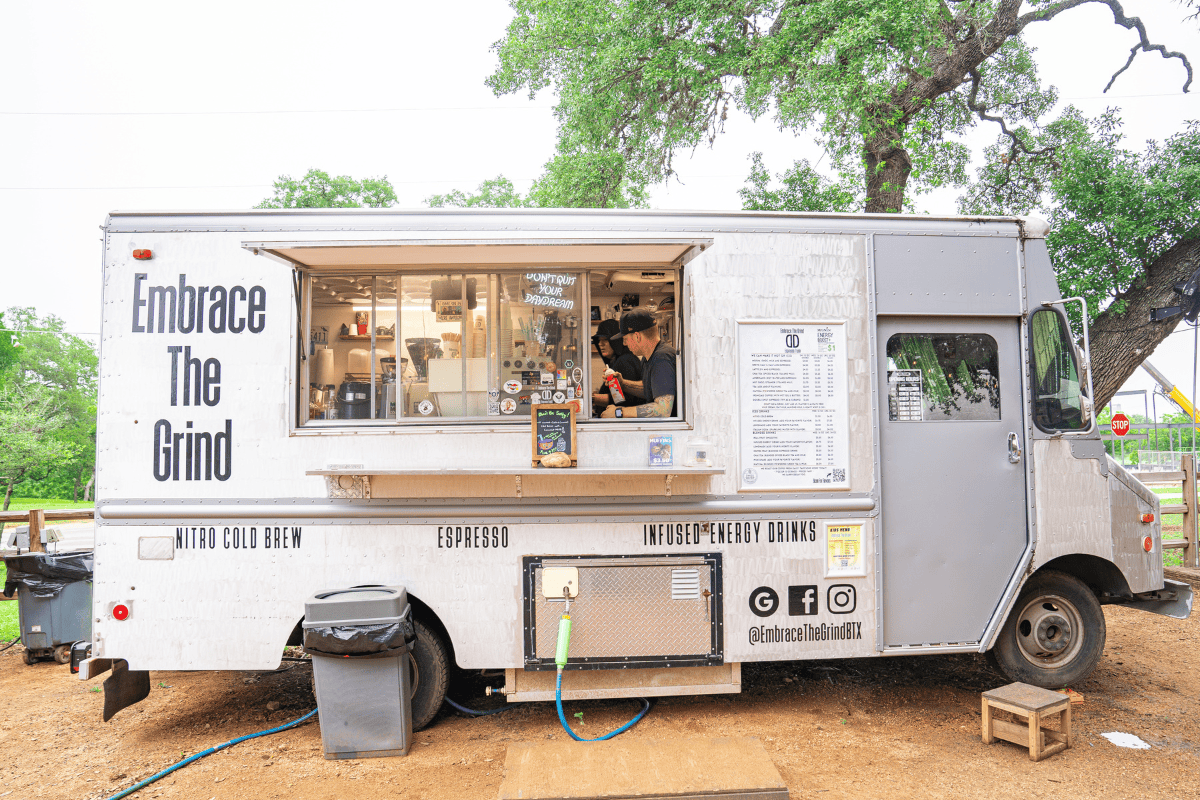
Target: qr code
839,475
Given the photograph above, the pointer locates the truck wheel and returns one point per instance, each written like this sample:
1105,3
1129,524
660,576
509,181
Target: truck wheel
62,654
1054,636
30,658
430,675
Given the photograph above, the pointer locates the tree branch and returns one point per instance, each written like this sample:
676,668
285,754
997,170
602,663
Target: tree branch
981,110
1134,23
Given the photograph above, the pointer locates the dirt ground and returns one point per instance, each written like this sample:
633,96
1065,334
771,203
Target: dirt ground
886,727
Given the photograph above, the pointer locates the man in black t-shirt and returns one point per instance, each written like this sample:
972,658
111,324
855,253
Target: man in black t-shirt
639,332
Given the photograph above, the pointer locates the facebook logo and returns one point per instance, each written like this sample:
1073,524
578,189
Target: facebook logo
802,601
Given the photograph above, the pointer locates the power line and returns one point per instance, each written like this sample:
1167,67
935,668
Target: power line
411,109
414,109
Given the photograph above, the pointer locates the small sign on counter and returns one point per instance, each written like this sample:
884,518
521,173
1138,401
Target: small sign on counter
660,452
553,428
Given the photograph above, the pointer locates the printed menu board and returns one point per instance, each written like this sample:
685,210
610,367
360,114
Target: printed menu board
793,406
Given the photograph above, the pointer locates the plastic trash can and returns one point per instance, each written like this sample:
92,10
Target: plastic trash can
360,640
54,601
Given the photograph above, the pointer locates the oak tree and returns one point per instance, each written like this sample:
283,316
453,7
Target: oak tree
317,190
887,86
1124,224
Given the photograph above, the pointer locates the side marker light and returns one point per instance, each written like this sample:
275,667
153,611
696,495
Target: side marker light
1148,544
143,255
1147,518
120,612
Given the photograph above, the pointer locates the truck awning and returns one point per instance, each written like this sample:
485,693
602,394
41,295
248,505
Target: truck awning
384,254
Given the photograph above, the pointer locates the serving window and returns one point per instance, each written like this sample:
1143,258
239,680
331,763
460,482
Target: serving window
483,344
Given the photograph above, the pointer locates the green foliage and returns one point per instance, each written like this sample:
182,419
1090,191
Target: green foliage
886,84
804,189
47,402
8,351
578,177
575,179
317,190
1113,211
497,192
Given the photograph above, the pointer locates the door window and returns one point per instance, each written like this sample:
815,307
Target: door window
1057,395
943,376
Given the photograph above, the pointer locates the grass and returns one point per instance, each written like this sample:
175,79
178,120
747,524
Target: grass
1172,524
32,503
9,627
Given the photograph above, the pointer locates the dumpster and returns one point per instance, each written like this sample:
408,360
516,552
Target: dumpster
360,640
54,601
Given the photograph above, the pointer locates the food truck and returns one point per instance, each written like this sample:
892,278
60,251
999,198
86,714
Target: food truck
881,444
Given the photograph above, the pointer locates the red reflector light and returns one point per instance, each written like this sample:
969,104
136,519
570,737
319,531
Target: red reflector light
120,611
1148,544
1147,518
142,255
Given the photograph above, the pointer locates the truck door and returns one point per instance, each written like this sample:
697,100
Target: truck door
952,480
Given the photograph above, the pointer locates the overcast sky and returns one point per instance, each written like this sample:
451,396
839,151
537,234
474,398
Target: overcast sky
151,106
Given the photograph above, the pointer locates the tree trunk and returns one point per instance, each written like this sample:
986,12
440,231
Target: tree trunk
8,493
1121,342
87,490
75,490
888,168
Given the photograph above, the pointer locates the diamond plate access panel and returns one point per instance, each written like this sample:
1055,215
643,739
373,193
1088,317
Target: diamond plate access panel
629,612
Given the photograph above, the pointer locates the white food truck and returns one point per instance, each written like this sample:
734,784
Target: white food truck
881,444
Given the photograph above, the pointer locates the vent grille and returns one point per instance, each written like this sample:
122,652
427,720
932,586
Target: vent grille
685,584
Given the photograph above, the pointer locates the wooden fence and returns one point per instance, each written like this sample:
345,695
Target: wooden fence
1185,476
37,521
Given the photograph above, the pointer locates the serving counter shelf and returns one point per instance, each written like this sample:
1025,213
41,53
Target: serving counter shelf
364,483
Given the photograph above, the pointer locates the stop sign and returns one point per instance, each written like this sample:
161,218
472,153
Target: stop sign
1120,424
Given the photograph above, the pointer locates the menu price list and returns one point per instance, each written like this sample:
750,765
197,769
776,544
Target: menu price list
794,406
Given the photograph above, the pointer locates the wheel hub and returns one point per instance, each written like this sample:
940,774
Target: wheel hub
1047,631
1053,633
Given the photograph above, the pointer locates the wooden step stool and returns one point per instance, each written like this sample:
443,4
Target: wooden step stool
1034,704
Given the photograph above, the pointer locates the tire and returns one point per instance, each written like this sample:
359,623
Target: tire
430,675
1054,636
62,654
30,658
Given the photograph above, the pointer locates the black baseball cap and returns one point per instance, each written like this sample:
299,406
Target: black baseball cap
638,319
605,330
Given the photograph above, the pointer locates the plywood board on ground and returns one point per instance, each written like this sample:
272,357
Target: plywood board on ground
642,768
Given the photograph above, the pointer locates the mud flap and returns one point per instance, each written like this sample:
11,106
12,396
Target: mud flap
124,687
1173,600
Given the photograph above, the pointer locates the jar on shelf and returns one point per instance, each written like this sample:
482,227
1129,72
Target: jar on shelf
699,452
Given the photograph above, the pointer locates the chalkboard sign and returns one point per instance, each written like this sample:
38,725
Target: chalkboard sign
553,428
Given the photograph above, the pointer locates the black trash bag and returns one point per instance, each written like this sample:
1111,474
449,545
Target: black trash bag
45,574
384,638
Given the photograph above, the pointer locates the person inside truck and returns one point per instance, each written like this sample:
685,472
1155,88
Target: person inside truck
639,332
616,356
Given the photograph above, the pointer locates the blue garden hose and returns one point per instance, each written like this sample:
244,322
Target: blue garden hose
209,752
560,660
473,713
563,719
